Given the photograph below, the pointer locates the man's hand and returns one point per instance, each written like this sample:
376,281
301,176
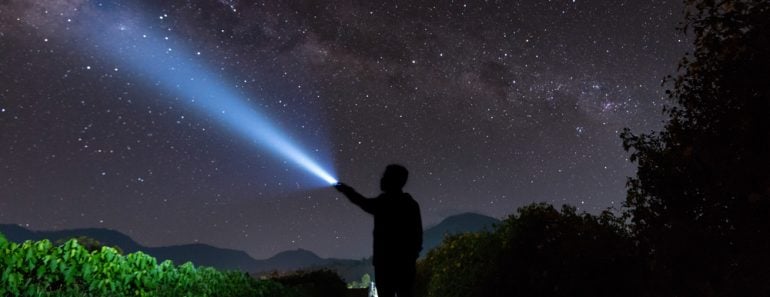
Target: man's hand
344,189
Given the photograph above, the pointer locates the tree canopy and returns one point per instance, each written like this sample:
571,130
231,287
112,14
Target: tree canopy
697,216
700,201
539,251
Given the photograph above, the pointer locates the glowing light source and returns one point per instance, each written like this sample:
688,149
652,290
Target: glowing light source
169,66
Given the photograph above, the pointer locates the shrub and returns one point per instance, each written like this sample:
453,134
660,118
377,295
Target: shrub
540,251
39,268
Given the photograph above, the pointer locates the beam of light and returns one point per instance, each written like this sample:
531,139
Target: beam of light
156,57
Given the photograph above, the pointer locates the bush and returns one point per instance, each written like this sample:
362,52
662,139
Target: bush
538,252
461,266
90,244
39,268
365,282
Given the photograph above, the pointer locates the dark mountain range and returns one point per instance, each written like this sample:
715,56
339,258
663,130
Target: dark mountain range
230,259
461,223
109,237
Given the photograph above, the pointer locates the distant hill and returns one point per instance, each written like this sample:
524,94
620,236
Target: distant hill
205,255
290,260
17,233
461,223
230,259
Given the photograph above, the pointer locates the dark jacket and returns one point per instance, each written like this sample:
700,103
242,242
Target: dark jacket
397,227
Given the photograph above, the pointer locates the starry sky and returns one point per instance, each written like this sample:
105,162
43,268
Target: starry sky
491,105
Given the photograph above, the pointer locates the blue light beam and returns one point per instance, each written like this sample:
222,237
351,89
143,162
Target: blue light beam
161,61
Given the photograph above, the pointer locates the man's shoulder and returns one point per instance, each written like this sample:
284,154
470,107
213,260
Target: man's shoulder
408,197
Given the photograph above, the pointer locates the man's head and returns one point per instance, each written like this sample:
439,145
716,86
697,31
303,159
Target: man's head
394,178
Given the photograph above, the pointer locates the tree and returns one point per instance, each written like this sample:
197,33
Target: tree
539,251
700,201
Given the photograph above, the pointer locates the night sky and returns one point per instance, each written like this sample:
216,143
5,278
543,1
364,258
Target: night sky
490,105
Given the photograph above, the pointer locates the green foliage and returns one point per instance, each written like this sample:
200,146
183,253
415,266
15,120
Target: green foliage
701,197
39,268
538,252
365,282
316,283
90,244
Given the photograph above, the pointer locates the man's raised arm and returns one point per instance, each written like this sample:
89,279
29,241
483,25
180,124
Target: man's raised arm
364,203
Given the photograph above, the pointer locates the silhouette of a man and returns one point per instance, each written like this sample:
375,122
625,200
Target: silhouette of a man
397,232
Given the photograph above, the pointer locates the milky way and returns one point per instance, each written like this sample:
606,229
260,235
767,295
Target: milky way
491,105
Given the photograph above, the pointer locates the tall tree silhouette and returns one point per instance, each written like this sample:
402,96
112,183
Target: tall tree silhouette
700,202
